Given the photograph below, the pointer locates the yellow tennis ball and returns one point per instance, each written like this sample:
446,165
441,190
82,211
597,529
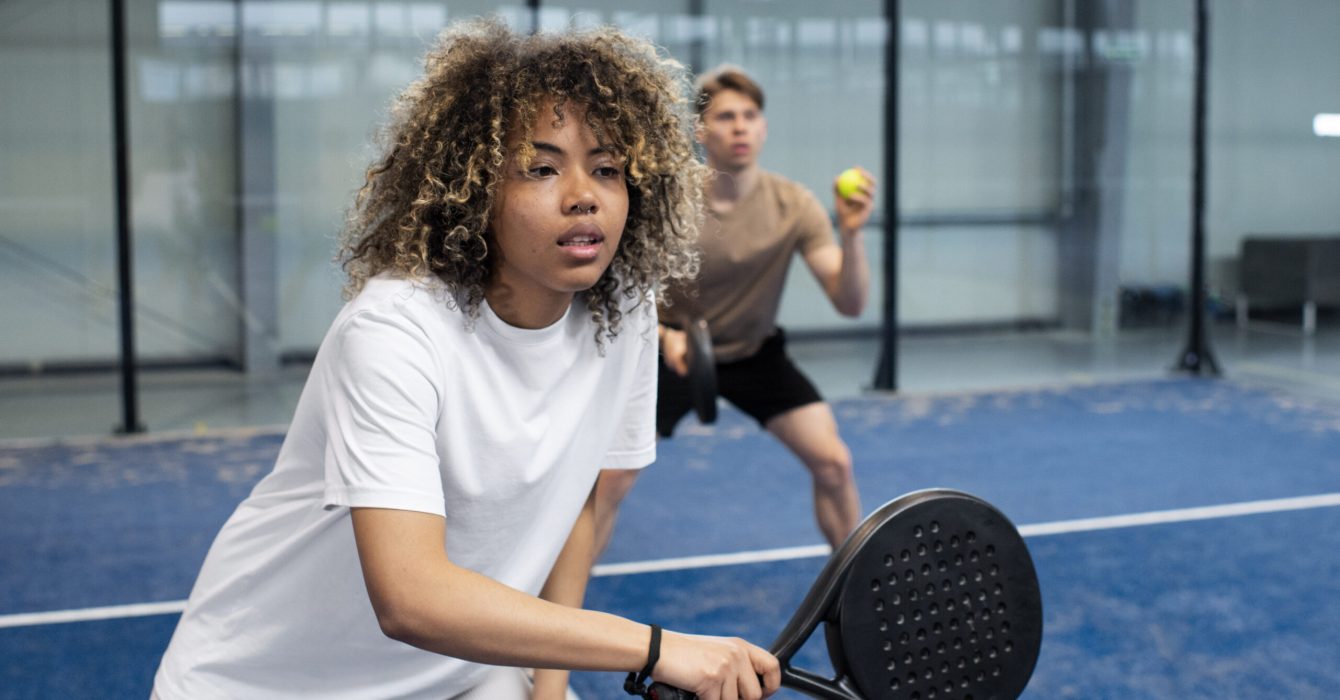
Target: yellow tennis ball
850,182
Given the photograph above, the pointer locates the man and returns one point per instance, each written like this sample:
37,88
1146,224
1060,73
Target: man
757,221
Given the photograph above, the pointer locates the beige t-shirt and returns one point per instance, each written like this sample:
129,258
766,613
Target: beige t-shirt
745,257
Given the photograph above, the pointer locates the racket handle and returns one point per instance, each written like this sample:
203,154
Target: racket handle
661,691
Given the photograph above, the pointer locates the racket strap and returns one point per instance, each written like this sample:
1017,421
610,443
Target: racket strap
636,682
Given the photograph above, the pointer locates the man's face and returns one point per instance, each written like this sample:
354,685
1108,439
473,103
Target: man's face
558,222
732,130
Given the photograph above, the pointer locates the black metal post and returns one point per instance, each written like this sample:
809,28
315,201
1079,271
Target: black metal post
1197,358
696,43
130,412
886,372
534,7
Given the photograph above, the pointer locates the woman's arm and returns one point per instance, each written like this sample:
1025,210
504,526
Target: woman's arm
567,586
423,599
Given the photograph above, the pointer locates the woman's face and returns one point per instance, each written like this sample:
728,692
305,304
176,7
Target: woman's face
556,224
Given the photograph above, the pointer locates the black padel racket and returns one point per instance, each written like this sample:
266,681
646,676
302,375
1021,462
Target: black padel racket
702,371
933,597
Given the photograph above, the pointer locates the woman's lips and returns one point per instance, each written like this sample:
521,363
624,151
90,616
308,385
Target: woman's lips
582,241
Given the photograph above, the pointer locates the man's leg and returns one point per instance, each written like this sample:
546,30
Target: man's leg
810,432
611,488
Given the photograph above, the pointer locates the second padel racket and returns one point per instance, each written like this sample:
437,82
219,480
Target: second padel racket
702,371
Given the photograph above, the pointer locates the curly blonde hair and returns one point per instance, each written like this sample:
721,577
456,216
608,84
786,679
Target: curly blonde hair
424,208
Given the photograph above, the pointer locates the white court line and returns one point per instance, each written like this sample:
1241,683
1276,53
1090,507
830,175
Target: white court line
1112,522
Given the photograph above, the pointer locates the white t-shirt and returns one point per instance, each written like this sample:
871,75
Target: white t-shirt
501,430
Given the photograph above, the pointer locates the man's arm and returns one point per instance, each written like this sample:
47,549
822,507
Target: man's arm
566,585
843,271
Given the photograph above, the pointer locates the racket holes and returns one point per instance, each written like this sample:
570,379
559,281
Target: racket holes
989,633
900,619
906,555
986,613
939,546
1009,647
977,659
958,560
894,684
941,648
946,586
926,654
991,550
897,599
935,526
927,674
921,550
972,639
909,575
962,580
995,570
998,589
981,676
963,663
944,670
888,560
971,537
969,616
995,671
930,694
908,661
953,624
1004,628
916,615
911,677
937,629
921,635
884,627
888,645
905,639
973,556
925,569
930,589
953,541
1000,609
943,566
917,531
949,687
977,576
893,579
981,595
879,605
874,585
912,596
935,608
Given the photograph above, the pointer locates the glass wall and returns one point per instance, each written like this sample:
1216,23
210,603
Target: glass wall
1044,164
57,274
1273,216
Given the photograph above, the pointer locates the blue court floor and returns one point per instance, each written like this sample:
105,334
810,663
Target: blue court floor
1186,533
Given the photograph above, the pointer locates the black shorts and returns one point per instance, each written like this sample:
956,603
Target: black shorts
764,385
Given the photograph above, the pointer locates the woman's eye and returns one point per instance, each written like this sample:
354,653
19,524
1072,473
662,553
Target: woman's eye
542,171
608,171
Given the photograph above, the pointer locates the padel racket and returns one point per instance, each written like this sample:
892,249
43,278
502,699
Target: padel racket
702,371
934,596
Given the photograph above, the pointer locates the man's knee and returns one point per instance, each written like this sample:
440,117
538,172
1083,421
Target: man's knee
831,468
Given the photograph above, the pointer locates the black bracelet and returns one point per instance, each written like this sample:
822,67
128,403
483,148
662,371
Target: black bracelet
636,682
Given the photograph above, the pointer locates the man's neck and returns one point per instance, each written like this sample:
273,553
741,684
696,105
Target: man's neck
730,186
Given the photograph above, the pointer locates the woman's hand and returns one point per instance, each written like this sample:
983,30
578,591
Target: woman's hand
717,668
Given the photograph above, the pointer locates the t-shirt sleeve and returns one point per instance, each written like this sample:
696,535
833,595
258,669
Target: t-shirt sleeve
634,445
381,417
814,227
